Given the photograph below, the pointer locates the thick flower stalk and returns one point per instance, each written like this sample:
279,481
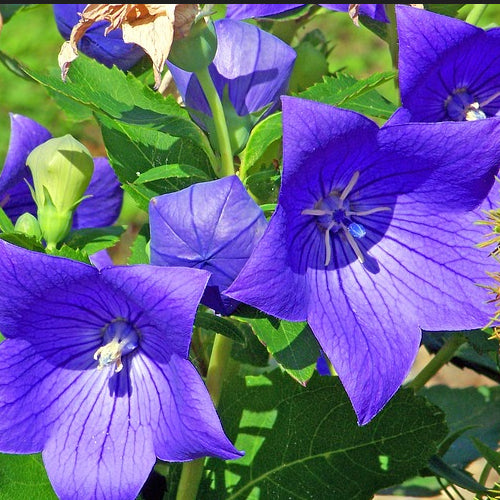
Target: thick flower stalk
94,372
109,49
212,225
448,68
102,199
373,239
249,86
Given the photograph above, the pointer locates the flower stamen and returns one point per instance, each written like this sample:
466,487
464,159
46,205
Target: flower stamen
350,185
121,338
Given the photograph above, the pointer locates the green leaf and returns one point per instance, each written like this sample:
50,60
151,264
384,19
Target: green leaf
6,225
133,150
91,240
262,136
23,477
292,344
70,253
476,407
121,96
8,10
305,442
252,353
480,353
138,251
264,185
24,241
217,324
454,475
164,172
359,95
491,456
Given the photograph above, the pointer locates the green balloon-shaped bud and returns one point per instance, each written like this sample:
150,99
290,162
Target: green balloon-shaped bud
28,224
197,50
62,168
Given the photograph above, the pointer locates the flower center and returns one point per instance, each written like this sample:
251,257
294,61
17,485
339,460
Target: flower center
119,338
462,105
334,216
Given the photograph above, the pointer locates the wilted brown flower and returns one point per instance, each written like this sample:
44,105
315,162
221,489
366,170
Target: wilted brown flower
151,26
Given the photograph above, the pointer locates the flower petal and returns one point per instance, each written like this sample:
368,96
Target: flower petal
212,225
165,298
370,343
101,445
248,11
25,135
434,263
53,296
267,281
106,197
183,418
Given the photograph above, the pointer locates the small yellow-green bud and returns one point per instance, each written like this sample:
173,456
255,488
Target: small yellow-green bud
62,168
28,224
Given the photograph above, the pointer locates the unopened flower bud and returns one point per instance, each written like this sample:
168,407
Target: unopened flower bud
62,168
28,224
196,50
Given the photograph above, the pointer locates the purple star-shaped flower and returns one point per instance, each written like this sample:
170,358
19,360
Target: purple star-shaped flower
448,69
373,239
211,225
248,11
94,371
101,209
252,64
107,49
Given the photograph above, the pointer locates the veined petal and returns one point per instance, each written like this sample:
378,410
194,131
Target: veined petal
183,418
447,175
248,11
433,261
267,281
106,198
52,296
166,300
101,445
370,344
211,225
25,135
23,428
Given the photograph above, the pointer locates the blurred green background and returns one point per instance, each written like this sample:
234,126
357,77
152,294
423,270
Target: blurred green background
31,37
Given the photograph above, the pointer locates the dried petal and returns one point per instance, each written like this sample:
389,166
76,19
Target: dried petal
151,26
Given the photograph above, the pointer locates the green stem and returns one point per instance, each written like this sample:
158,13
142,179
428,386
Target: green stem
475,13
227,167
192,472
392,34
442,357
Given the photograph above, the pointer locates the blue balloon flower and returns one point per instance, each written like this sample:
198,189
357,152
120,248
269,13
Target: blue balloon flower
448,68
94,371
373,239
211,225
